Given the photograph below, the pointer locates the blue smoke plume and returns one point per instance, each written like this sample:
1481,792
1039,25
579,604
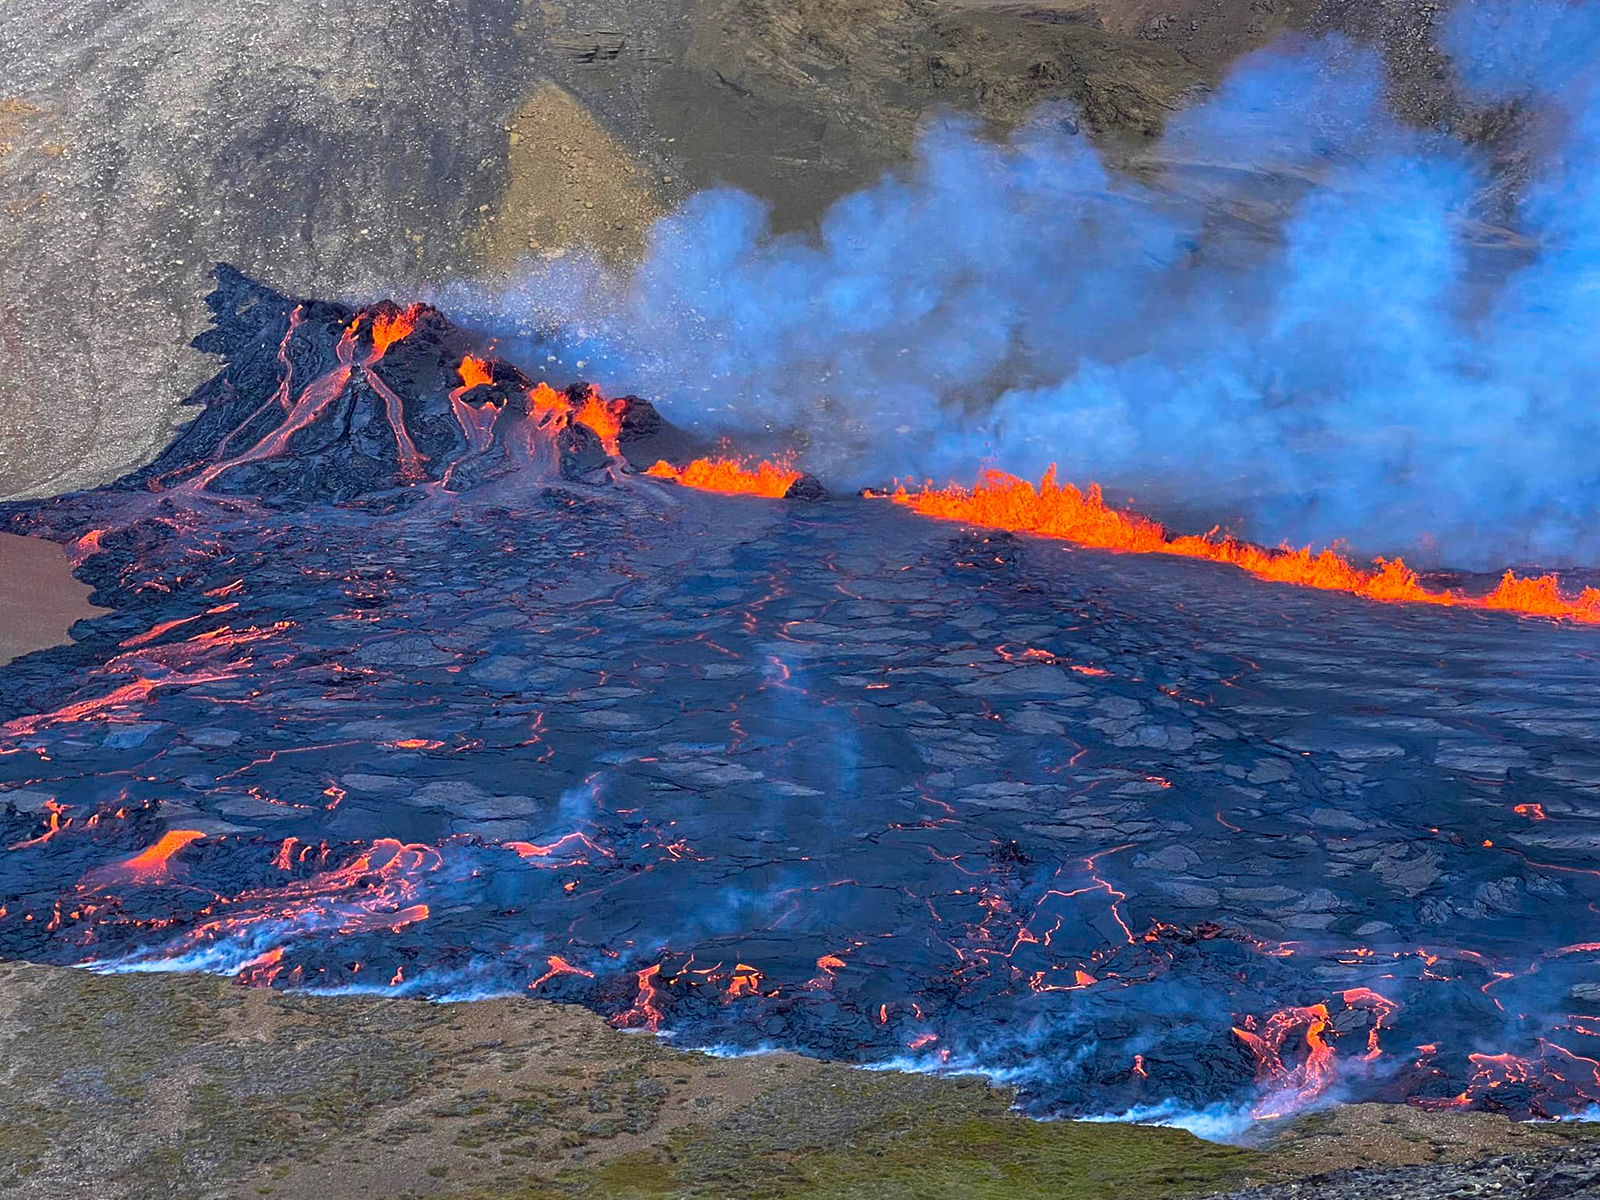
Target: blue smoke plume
1300,313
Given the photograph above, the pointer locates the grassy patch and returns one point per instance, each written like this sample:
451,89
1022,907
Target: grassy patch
846,1135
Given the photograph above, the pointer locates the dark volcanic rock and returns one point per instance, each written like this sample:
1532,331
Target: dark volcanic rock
1549,1175
807,487
319,402
448,719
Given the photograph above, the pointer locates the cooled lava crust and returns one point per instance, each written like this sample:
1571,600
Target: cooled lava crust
418,682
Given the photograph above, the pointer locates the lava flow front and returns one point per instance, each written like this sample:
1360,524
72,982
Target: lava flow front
422,679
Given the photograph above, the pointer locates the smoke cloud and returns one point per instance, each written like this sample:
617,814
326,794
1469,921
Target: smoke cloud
1302,315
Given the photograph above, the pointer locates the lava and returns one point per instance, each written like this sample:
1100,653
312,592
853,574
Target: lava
411,461
1061,511
475,372
897,797
1291,1088
154,862
558,966
313,401
602,417
645,1012
389,327
730,475
555,410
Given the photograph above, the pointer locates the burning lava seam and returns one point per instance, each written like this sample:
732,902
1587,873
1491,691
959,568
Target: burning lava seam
998,500
1061,511
1003,501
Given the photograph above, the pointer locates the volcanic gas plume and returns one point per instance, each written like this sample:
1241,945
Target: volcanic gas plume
1296,313
428,676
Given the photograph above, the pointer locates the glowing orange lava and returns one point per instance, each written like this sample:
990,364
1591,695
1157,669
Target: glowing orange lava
1061,511
602,417
559,966
389,328
766,478
546,400
474,372
154,862
1291,1087
644,1011
554,411
746,980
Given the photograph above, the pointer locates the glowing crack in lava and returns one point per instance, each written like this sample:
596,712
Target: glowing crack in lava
1057,510
154,863
463,702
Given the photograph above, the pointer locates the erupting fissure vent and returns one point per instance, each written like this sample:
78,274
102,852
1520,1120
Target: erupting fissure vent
1058,510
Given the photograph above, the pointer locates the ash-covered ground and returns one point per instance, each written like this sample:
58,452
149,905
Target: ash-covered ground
413,686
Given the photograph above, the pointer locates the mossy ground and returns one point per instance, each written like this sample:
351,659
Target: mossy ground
169,1086
838,1138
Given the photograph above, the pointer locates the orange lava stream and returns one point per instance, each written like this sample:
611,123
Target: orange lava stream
597,415
474,372
558,966
1061,511
316,397
151,863
1292,1087
394,409
766,478
644,1012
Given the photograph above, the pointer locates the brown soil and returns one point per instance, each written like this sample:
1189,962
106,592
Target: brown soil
568,183
39,598
1363,1135
14,115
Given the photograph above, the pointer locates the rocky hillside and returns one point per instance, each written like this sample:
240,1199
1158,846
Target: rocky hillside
375,149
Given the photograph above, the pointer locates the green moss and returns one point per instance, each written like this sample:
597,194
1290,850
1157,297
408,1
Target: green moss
26,1135
846,1135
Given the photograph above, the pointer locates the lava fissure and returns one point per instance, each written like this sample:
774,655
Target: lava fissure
1056,510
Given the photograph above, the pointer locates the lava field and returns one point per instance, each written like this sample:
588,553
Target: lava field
426,678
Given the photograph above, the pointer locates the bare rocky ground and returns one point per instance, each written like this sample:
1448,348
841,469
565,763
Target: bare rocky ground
140,1086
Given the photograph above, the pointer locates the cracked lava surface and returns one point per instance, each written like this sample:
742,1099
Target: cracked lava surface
414,686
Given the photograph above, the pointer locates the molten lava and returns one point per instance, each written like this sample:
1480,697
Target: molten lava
555,410
1291,1087
766,478
475,372
1061,511
603,418
485,661
155,861
389,327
